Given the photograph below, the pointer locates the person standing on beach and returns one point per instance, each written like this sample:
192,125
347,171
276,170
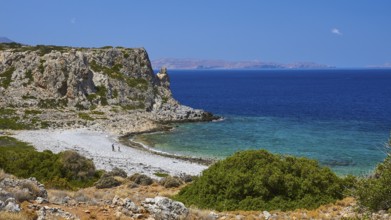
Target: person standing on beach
119,149
112,146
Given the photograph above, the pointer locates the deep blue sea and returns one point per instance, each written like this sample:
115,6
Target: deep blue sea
340,117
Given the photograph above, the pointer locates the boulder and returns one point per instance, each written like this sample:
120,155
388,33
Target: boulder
131,206
11,205
165,208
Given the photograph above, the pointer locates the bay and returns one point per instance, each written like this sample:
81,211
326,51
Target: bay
340,117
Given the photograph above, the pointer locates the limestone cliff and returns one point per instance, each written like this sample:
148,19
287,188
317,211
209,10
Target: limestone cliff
53,77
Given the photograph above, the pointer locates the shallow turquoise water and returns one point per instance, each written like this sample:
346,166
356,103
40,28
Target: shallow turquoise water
351,147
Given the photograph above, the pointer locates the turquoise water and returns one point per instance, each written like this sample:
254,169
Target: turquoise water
342,119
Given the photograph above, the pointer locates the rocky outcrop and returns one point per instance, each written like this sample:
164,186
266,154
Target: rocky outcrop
165,208
14,191
79,77
107,79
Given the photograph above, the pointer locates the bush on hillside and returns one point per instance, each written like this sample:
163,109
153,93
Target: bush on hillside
66,170
258,180
75,166
118,172
171,182
141,179
375,192
107,181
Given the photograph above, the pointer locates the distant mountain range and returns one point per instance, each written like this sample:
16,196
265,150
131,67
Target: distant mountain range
192,64
5,40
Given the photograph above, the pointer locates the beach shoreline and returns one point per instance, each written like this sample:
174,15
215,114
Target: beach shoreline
97,145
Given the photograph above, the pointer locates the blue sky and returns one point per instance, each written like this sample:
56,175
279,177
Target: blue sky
343,33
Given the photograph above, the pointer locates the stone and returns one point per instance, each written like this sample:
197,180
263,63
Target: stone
266,214
165,208
138,216
239,217
12,207
46,212
41,200
128,204
212,216
116,201
2,205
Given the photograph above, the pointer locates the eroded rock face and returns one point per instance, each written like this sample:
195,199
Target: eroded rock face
112,80
79,77
165,208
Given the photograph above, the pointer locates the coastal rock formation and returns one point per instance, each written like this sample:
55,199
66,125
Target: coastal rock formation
111,80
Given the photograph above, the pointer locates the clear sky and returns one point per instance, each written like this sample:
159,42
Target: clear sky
343,33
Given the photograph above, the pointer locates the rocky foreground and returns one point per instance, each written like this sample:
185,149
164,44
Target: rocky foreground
137,198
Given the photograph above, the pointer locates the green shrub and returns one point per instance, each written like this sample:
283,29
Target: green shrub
25,97
141,179
85,116
41,67
13,123
375,192
170,182
7,75
29,76
52,103
133,107
97,113
107,181
75,166
66,170
161,174
102,91
258,180
118,172
32,112
115,93
114,73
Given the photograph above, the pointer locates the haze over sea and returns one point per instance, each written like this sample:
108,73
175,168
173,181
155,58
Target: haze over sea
340,117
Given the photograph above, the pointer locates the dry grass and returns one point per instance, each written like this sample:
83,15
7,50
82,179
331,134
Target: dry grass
2,174
14,216
57,196
22,196
32,187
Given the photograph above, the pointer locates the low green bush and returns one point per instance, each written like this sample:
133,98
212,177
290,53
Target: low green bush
171,182
66,170
7,77
258,180
141,179
85,116
375,192
107,181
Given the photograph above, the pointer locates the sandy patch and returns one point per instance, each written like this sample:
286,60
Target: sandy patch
98,146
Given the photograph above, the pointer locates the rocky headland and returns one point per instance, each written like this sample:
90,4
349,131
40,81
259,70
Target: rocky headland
111,89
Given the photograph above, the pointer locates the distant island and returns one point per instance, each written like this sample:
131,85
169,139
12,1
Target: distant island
194,64
5,40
